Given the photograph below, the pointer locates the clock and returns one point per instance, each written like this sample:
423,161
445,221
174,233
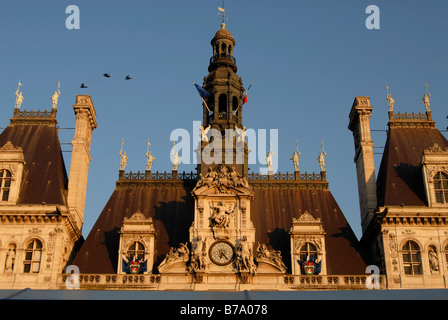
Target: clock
221,253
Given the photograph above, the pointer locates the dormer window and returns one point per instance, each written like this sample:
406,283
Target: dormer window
308,246
137,241
435,175
5,184
12,169
441,187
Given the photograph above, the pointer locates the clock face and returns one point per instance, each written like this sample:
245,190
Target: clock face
221,253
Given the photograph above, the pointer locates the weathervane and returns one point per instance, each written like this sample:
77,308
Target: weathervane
222,13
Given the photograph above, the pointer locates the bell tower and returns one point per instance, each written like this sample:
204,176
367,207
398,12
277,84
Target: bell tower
223,108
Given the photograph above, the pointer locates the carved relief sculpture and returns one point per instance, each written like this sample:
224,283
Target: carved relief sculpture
181,254
198,254
221,215
222,179
244,260
271,257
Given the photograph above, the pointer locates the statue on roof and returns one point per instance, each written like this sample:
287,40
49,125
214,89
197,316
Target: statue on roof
390,99
123,157
425,99
19,96
175,157
295,157
269,157
149,158
321,158
54,98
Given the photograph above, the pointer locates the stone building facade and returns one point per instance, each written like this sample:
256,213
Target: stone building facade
222,227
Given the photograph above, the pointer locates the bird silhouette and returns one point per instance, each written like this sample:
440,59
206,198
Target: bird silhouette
128,77
107,75
83,86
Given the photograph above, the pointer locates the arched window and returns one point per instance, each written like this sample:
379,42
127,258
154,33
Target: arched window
5,184
222,103
136,251
33,255
308,252
412,260
234,103
441,187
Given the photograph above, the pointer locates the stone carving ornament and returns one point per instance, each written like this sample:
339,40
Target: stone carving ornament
222,179
221,215
433,259
244,260
272,257
198,253
181,254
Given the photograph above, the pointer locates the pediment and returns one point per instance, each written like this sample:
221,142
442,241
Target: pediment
222,180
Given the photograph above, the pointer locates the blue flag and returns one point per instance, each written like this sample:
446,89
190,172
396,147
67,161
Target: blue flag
201,91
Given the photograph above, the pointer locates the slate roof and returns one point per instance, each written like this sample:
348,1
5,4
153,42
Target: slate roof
45,178
400,179
171,207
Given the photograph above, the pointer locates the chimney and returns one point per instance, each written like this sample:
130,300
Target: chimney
365,165
79,165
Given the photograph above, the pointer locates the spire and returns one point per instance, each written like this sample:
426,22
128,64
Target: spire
223,101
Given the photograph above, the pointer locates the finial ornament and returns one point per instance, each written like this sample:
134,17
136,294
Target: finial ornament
149,158
123,157
321,158
19,96
295,157
390,99
425,99
54,98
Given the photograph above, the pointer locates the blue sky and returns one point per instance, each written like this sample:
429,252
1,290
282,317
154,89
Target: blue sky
307,60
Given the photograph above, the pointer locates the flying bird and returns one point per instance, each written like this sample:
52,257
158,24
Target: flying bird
128,77
107,75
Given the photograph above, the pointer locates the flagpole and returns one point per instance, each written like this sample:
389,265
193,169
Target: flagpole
243,98
203,100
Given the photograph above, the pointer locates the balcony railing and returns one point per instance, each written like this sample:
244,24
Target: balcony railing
282,282
222,56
